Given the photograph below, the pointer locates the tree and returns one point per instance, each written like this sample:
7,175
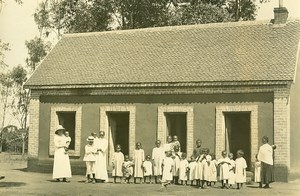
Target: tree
242,9
4,47
37,50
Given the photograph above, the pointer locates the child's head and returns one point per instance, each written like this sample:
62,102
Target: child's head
213,156
176,148
175,138
230,155
240,153
168,153
224,153
94,134
138,145
148,158
198,143
157,143
67,134
126,158
192,158
183,156
118,148
90,140
169,139
205,151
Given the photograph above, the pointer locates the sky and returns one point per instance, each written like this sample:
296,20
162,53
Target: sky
17,24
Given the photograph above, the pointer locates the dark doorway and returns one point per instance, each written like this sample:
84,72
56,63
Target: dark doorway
119,129
238,134
176,125
67,120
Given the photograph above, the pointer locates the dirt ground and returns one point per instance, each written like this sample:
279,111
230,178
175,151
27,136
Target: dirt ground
20,182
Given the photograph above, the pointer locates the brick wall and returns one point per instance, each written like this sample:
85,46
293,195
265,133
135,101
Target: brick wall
33,138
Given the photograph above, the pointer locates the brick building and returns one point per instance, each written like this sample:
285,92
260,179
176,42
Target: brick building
227,84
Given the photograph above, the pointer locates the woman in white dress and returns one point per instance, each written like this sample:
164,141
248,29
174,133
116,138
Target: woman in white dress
61,165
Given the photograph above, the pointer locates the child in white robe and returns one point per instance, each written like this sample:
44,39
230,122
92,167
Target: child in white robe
183,169
138,158
177,158
231,180
148,171
193,172
117,162
68,141
213,170
158,155
167,165
176,142
240,169
206,164
224,169
90,159
257,170
127,169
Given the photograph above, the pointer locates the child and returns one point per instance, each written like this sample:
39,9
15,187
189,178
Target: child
240,169
68,141
213,170
203,168
224,169
138,159
231,180
176,157
206,164
167,165
183,169
158,155
176,142
168,146
257,166
90,159
127,169
117,162
147,166
193,173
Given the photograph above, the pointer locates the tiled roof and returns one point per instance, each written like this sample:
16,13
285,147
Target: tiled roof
242,51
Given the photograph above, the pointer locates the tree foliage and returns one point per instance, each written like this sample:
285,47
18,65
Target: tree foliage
4,47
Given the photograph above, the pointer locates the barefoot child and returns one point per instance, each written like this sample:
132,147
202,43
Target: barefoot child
257,166
193,174
224,169
231,180
117,162
147,166
167,165
138,160
127,169
183,169
90,159
240,169
158,155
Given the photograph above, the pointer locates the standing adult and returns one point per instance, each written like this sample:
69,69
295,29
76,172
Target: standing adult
101,167
265,155
61,166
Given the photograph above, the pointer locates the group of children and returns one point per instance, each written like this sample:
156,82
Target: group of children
168,165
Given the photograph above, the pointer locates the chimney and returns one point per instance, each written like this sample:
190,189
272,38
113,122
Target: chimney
280,14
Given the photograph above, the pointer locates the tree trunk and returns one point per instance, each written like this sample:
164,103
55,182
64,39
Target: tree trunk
3,119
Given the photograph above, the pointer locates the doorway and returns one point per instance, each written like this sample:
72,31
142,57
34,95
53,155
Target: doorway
118,131
177,125
238,134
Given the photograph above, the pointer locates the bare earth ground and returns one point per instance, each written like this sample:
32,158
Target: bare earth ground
19,182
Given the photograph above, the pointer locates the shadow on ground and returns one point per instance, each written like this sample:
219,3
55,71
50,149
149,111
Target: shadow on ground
12,184
22,169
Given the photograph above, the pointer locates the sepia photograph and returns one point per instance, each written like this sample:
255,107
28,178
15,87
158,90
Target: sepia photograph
149,97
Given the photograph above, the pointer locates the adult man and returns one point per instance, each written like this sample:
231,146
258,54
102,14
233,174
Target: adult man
101,168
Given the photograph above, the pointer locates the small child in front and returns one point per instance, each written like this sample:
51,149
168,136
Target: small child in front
147,166
257,167
68,141
90,159
231,180
127,169
176,158
240,169
193,173
138,159
167,165
183,169
213,170
117,162
224,169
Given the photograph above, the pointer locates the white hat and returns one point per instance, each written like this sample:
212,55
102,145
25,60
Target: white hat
58,128
90,138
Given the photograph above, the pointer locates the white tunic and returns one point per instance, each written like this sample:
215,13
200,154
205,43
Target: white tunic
90,153
117,160
158,155
213,171
183,165
206,164
138,158
231,167
193,173
61,165
257,171
147,165
224,168
240,170
101,168
176,159
168,163
265,154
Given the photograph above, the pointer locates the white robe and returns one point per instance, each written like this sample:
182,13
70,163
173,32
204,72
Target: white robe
193,173
158,155
168,164
101,168
117,160
257,171
183,165
224,168
61,165
265,154
138,158
240,170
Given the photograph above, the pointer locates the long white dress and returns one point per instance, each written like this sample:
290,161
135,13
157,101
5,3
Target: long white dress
231,167
117,159
138,158
240,170
158,155
183,165
61,165
206,163
101,168
257,171
148,171
193,173
176,164
224,168
168,163
213,171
